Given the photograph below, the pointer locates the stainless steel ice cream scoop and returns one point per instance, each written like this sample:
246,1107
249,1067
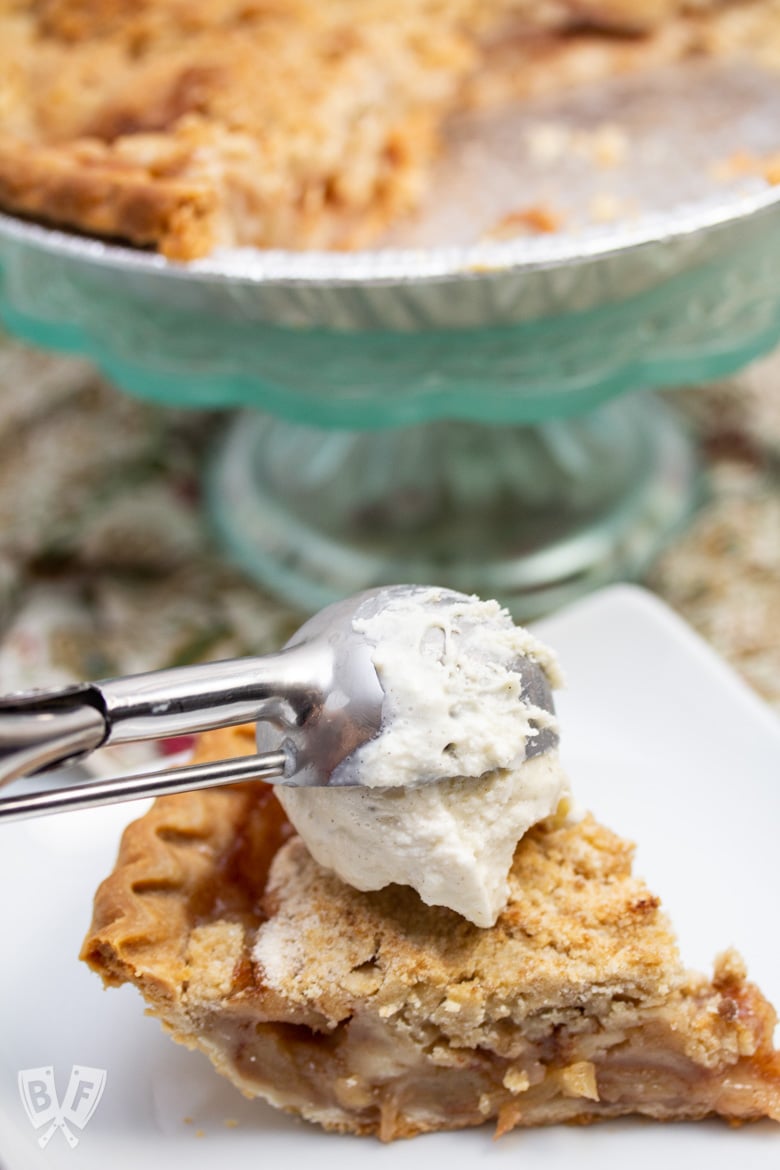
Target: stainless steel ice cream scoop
317,701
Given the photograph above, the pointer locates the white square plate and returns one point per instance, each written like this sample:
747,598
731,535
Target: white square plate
662,741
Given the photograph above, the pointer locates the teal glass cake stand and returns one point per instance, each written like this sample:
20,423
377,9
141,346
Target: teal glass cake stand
476,417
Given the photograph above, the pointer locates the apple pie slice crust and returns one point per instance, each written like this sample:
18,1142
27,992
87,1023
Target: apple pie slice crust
372,1013
188,125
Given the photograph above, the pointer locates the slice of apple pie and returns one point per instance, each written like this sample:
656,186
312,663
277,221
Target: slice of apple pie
185,125
375,1014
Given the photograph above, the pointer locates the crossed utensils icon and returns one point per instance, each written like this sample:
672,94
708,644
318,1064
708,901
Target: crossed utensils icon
82,1097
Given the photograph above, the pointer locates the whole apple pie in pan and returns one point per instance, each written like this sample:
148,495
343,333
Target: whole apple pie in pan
373,1013
188,125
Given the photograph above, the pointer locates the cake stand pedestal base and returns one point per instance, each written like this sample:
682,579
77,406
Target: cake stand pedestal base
532,515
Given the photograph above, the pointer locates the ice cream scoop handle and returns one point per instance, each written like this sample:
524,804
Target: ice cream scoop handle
42,731
48,728
92,793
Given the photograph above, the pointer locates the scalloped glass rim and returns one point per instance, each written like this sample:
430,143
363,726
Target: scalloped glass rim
403,266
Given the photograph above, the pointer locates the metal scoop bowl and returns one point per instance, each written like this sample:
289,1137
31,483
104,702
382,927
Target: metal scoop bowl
315,703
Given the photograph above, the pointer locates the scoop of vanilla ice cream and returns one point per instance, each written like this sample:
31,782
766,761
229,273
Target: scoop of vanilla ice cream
446,788
453,840
453,699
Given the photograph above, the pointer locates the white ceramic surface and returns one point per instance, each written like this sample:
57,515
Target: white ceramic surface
662,741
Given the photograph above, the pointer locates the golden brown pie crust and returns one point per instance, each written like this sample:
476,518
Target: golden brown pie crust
375,1014
185,125
84,187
